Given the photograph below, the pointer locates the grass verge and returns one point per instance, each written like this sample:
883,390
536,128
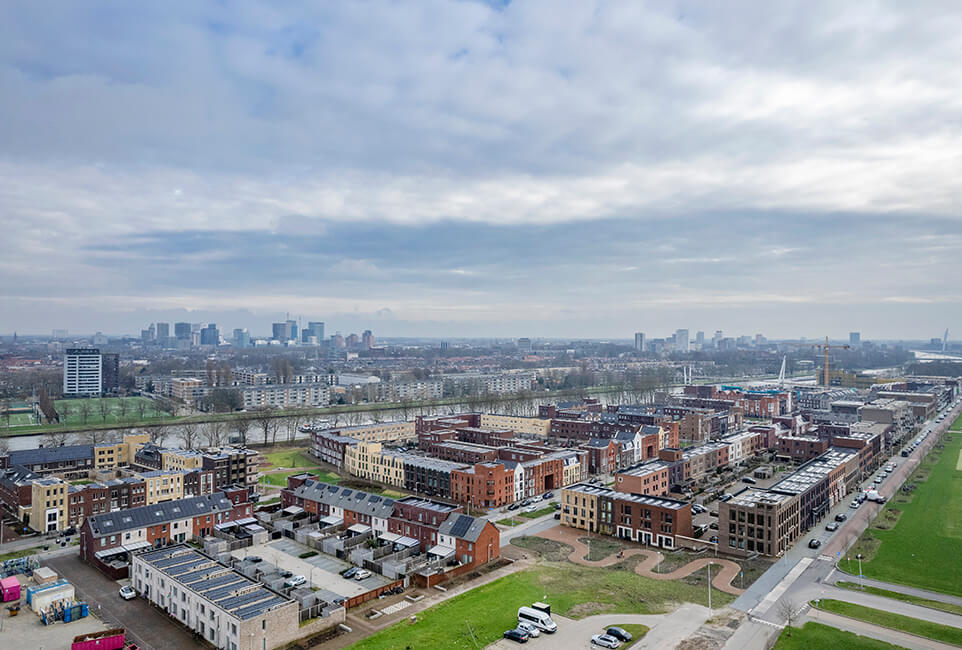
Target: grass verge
291,458
929,630
15,554
907,598
483,614
537,513
816,635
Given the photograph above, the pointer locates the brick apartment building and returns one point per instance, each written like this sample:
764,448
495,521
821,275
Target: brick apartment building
484,485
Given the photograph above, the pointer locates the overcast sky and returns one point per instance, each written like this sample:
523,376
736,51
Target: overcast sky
582,169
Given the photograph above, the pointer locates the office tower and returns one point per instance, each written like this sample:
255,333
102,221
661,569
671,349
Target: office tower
99,339
109,372
59,334
291,330
715,340
82,372
163,332
444,346
279,331
524,344
639,341
681,341
367,340
855,339
242,338
352,341
209,335
182,331
145,335
700,339
317,330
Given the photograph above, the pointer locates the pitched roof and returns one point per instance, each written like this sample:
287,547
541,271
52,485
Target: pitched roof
159,513
349,499
51,454
463,527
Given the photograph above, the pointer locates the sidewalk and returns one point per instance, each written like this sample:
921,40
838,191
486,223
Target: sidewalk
874,631
902,589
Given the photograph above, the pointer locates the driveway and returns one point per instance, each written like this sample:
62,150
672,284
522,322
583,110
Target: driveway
147,626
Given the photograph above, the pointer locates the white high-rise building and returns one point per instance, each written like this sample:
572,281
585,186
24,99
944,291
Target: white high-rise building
640,341
82,372
681,341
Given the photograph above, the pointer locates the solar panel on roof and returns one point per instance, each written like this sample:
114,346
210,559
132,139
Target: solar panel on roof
250,597
346,493
461,525
254,610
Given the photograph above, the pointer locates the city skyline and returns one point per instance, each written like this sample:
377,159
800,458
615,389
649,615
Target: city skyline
506,174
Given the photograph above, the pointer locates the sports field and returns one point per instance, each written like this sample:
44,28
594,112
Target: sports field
88,410
923,548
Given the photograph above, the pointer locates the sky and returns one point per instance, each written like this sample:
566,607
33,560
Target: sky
542,168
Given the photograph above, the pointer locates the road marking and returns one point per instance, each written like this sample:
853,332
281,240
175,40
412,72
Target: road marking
781,587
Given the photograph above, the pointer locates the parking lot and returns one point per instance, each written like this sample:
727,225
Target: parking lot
146,625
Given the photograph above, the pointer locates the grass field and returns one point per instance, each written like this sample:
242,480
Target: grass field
510,521
636,630
71,410
15,554
893,621
279,479
571,590
917,550
291,458
537,513
908,598
20,420
816,635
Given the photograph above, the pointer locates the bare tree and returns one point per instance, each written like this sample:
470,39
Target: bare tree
788,610
214,433
5,412
95,436
242,425
211,373
268,423
104,407
124,407
55,439
159,434
65,410
291,424
141,408
84,410
188,432
4,445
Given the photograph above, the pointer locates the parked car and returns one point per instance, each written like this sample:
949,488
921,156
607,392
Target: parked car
605,641
841,516
526,502
513,506
698,509
749,480
535,499
557,515
713,525
254,558
529,628
557,505
530,509
713,539
127,592
854,504
350,573
713,513
726,497
619,633
831,526
362,574
516,635
548,495
295,581
814,543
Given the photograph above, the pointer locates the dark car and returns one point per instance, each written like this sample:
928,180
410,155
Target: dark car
513,506
548,495
713,539
749,480
814,543
516,635
254,558
557,506
841,517
713,525
713,513
350,573
618,633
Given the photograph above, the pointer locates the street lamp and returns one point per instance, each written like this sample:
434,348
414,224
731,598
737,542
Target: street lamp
709,589
252,641
859,556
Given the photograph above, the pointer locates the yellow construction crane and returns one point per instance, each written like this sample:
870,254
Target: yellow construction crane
825,346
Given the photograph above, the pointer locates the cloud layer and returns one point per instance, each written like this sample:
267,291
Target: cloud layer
579,169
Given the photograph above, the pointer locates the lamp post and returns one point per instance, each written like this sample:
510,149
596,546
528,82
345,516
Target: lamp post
859,556
252,641
709,589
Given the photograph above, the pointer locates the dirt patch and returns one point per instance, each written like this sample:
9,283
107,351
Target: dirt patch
600,547
588,609
550,550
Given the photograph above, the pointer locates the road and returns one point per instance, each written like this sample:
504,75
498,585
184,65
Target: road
146,625
804,574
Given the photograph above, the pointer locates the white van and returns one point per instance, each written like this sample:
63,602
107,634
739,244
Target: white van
539,619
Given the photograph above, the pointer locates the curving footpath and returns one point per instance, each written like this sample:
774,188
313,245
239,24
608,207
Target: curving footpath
721,580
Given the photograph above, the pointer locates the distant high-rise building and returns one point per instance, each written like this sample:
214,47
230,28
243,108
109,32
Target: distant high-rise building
209,335
367,340
715,340
855,339
317,330
700,339
182,331
291,330
99,339
759,339
639,341
242,338
352,340
681,341
109,372
279,331
82,372
163,332
524,344
444,347
337,341
59,334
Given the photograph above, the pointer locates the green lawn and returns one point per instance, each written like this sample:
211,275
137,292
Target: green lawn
893,621
636,630
71,413
19,420
280,478
601,547
929,531
291,458
537,513
571,590
908,598
815,635
15,554
510,521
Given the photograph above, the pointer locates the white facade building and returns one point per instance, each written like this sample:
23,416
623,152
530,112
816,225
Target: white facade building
82,372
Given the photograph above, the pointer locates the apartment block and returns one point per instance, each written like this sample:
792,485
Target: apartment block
49,503
483,485
651,478
282,396
527,426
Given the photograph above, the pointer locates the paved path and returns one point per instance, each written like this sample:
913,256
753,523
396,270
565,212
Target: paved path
721,580
839,576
